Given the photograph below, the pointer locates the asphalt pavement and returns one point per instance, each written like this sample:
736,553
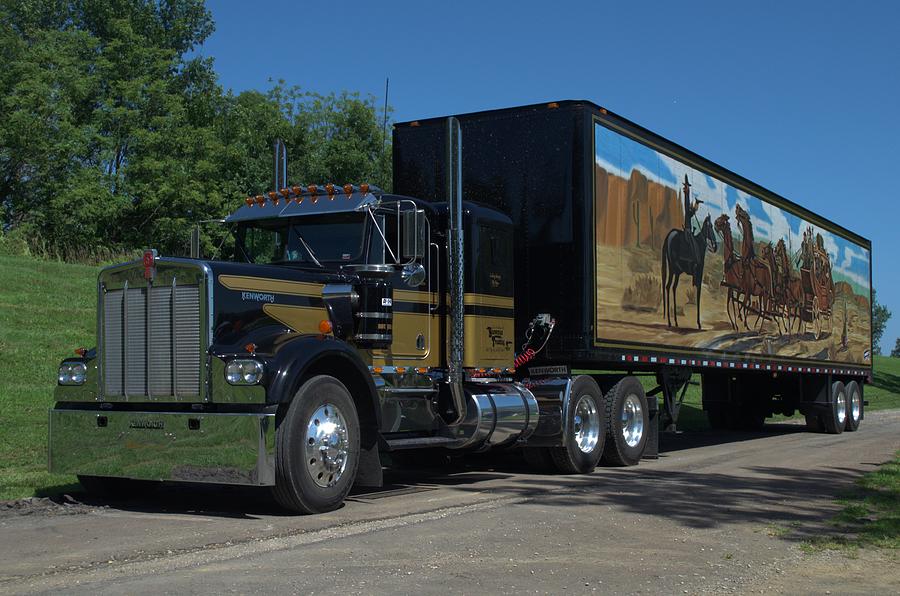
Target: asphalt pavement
717,512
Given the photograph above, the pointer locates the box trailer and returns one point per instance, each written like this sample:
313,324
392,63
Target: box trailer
532,264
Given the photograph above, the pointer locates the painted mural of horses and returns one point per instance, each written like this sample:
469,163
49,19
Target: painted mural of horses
683,252
732,272
757,280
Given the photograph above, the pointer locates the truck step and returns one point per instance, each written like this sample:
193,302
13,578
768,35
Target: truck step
419,443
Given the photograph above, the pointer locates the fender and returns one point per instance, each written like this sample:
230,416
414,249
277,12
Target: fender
293,358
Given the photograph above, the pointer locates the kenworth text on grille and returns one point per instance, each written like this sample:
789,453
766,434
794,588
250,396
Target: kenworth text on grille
509,295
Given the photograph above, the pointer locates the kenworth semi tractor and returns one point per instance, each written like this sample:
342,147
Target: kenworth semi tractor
533,266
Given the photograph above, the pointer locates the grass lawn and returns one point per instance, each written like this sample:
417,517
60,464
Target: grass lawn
871,514
47,310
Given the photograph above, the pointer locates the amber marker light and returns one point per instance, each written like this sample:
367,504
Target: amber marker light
377,370
400,370
364,188
81,351
260,200
552,105
496,371
348,190
250,348
421,370
273,196
324,326
250,202
329,188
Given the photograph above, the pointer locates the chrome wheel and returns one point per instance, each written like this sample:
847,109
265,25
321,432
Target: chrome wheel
841,407
327,445
632,420
855,405
586,424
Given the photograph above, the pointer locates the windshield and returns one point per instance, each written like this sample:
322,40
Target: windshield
304,240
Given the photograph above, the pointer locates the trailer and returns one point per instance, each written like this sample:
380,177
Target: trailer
511,293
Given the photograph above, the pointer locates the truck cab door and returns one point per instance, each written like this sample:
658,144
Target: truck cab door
416,322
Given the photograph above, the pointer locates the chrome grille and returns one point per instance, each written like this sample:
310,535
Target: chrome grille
158,354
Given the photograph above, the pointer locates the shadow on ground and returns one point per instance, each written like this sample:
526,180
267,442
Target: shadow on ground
763,495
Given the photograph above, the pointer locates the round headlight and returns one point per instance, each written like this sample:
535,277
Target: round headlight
234,372
252,371
77,373
64,373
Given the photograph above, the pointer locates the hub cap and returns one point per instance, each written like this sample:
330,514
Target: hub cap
586,423
327,443
841,407
632,420
855,405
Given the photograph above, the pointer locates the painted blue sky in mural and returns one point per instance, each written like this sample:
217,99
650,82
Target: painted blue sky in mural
621,155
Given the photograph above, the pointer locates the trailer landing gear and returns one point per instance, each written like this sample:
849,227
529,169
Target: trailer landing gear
671,380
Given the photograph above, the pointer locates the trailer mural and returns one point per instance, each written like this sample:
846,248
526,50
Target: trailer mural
686,260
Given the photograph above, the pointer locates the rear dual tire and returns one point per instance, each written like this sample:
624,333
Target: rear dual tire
628,423
584,434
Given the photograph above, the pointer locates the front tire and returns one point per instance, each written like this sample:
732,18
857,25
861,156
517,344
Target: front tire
629,423
316,447
585,429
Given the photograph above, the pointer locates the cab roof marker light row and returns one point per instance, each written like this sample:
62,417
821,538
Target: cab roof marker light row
298,193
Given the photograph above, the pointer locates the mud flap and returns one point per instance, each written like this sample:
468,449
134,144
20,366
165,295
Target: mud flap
369,474
651,450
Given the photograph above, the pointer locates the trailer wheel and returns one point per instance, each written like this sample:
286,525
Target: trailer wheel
835,418
585,433
629,423
854,406
316,447
118,489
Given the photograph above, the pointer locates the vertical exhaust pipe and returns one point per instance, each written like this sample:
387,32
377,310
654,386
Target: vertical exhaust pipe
455,268
279,166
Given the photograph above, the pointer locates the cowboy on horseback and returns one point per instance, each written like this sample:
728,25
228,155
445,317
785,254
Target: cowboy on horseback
690,210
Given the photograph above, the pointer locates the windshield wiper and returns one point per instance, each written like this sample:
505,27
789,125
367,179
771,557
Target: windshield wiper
308,249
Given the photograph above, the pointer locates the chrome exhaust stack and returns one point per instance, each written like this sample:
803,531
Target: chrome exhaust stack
279,166
455,269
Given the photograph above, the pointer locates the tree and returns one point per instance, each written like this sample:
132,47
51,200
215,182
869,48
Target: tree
880,316
895,353
112,136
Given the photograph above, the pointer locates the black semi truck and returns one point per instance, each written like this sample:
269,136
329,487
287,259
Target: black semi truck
531,266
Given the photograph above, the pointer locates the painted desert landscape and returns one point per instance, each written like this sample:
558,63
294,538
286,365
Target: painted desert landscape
744,277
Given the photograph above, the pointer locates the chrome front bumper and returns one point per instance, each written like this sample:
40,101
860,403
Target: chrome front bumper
190,447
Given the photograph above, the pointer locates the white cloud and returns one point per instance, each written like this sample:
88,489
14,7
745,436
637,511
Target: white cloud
850,254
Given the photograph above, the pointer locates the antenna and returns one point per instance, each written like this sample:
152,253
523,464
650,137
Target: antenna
387,81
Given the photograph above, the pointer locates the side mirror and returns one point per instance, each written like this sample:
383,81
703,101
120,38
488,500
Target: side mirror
413,274
195,242
414,237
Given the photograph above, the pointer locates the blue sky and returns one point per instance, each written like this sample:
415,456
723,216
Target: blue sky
801,97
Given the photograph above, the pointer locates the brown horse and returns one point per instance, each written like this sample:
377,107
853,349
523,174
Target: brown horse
791,288
732,271
757,279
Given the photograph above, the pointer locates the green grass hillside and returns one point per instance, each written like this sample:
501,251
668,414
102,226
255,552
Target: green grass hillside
47,310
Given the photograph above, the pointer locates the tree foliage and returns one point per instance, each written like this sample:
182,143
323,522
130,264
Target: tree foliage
114,135
880,317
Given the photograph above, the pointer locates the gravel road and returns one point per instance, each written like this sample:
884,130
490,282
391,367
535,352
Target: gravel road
717,512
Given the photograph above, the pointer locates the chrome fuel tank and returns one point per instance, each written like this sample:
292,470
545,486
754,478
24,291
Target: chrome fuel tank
497,414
